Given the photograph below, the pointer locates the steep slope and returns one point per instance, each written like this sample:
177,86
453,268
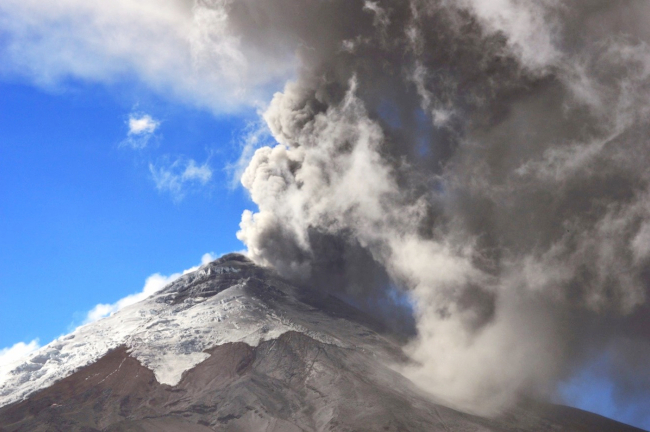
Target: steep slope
232,347
228,300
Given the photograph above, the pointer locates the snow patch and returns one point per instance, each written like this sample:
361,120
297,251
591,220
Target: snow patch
167,339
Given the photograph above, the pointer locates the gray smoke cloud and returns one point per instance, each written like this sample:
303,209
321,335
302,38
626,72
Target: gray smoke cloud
487,159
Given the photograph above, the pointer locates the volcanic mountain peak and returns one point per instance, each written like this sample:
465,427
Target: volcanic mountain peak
233,347
228,300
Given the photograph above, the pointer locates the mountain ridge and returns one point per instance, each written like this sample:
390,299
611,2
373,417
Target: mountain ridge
233,347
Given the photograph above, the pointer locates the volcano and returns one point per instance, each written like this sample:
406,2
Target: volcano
234,347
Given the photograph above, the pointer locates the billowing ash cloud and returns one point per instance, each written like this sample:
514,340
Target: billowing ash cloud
487,158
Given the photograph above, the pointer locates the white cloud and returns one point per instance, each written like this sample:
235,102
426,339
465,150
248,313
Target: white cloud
142,124
152,285
180,175
182,49
141,129
9,356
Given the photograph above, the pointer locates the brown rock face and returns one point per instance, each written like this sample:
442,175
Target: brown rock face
293,383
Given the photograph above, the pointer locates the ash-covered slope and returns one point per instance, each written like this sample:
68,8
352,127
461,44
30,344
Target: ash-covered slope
233,347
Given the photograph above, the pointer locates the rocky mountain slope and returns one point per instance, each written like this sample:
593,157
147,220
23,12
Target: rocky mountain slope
232,347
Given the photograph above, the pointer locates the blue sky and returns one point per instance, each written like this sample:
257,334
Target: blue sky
84,220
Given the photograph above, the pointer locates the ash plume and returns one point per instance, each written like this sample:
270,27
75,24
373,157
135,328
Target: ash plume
486,159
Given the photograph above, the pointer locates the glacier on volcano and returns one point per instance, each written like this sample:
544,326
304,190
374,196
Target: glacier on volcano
169,331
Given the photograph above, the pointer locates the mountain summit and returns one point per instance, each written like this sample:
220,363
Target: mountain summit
233,347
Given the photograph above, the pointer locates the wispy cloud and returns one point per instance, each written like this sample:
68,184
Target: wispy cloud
141,128
152,285
192,172
177,177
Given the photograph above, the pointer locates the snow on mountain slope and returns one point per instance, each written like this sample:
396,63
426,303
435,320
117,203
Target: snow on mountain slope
223,301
